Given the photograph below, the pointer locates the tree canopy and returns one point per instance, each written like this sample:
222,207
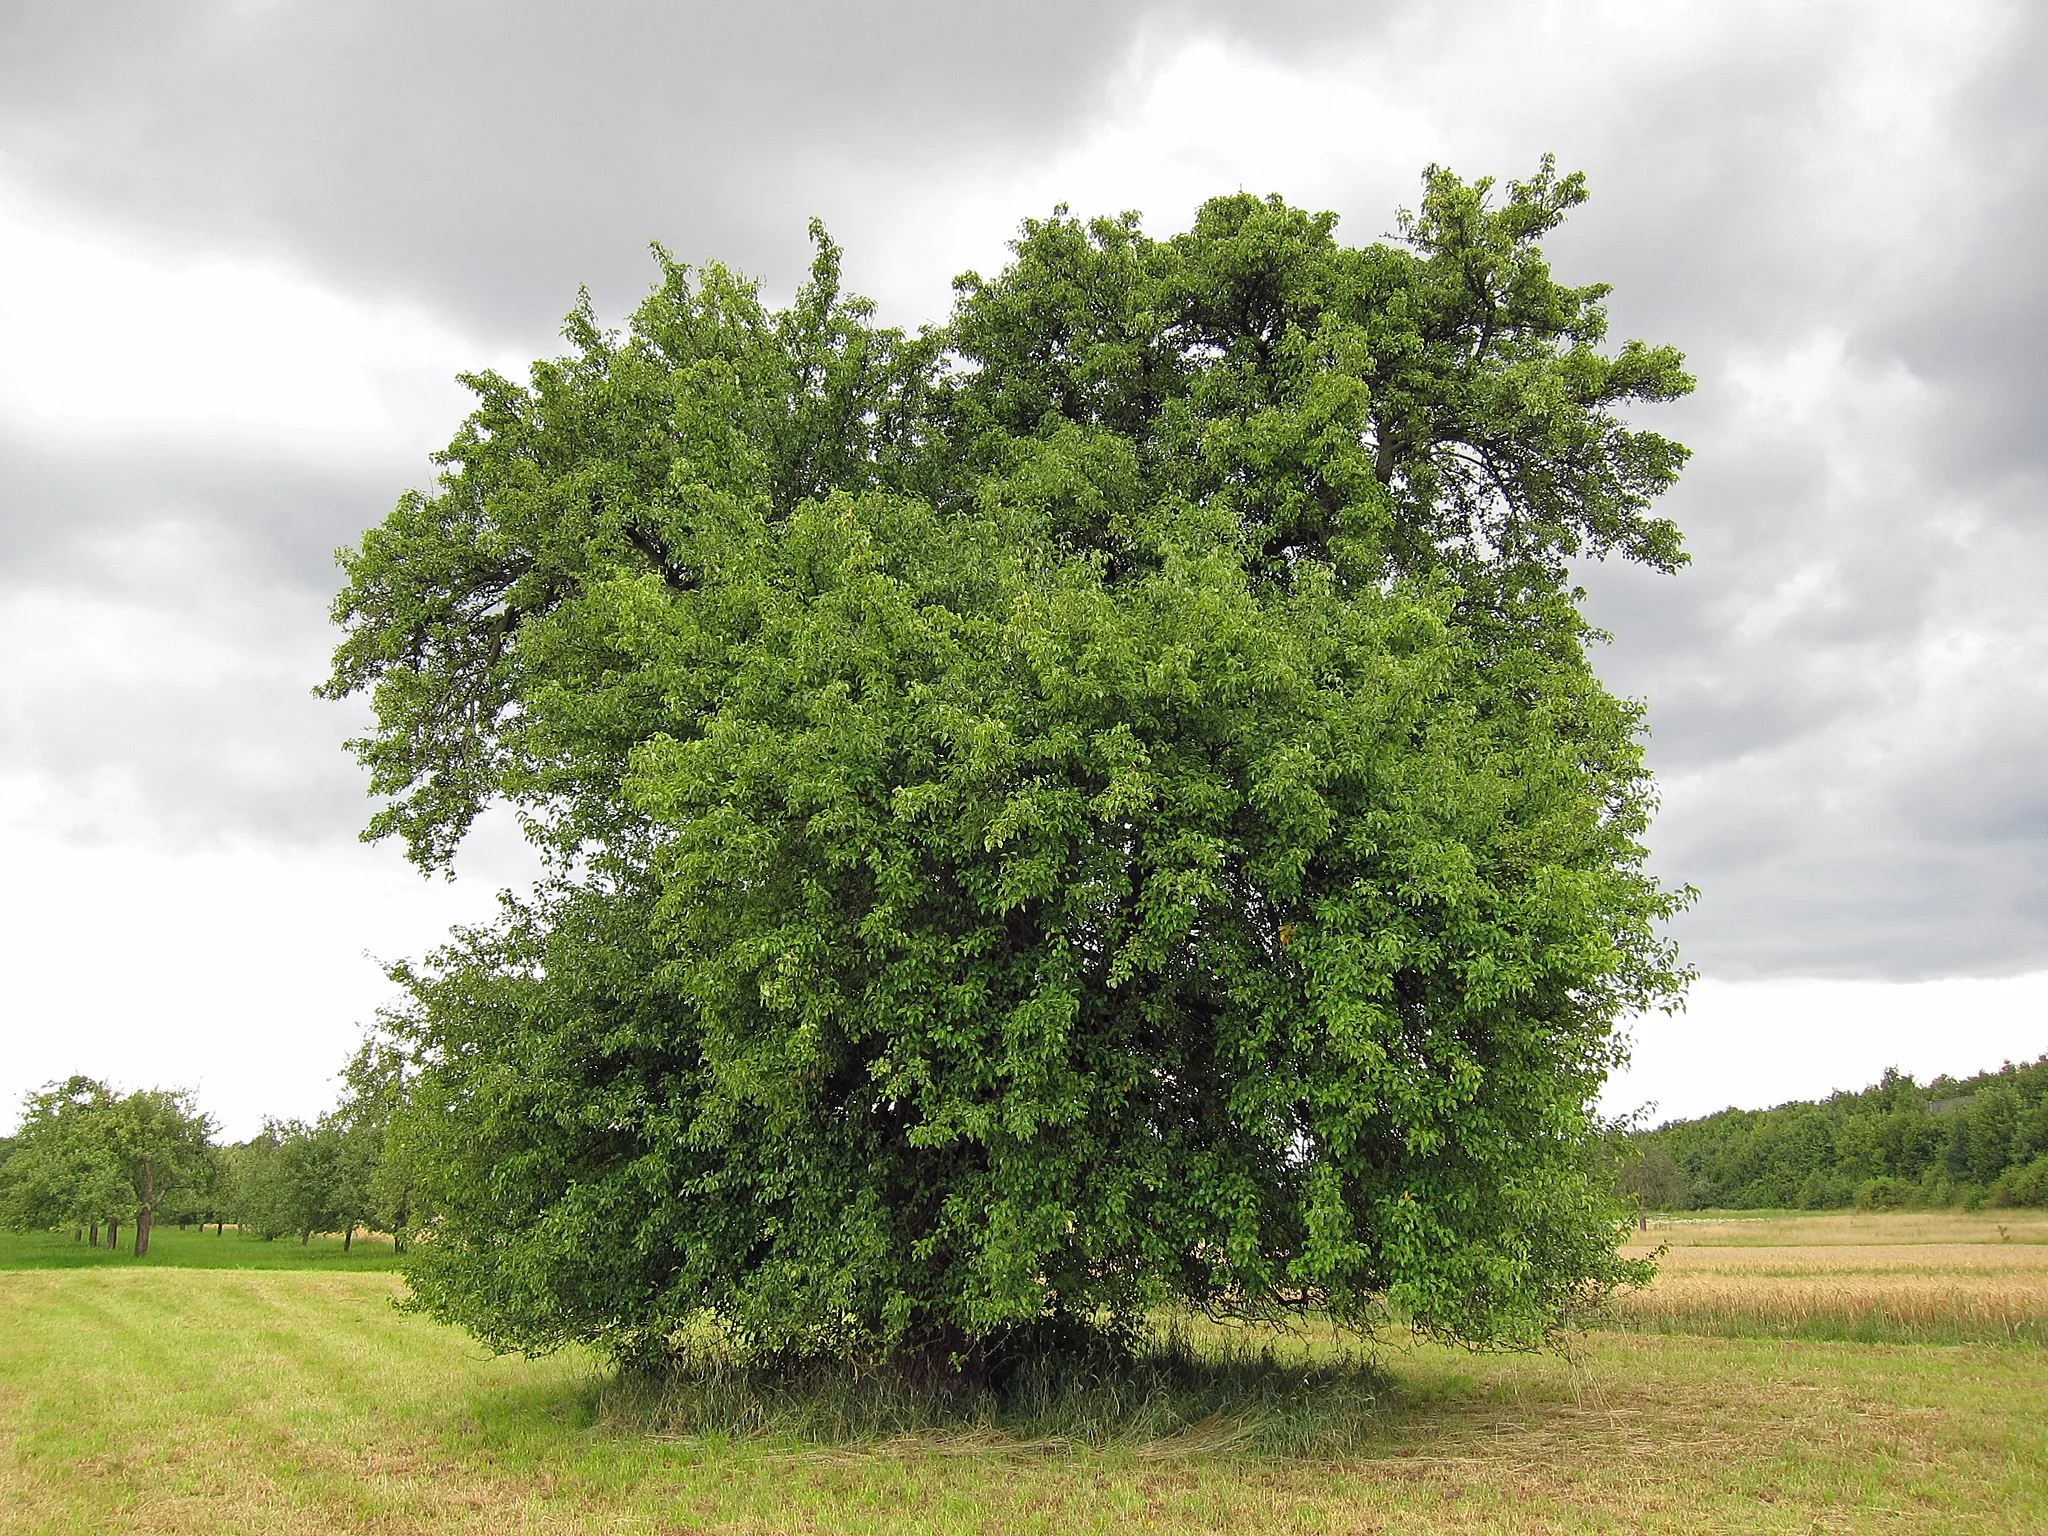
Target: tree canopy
1096,805
86,1154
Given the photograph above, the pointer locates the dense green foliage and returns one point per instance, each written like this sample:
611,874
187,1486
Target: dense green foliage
86,1156
1981,1139
380,1192
296,1179
1098,805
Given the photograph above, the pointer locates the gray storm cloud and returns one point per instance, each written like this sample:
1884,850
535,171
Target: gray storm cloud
1834,211
493,156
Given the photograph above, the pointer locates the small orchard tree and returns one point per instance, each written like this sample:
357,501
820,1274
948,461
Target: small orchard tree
354,1166
65,1170
259,1196
289,1178
374,1094
162,1143
1100,805
306,1184
90,1155
204,1197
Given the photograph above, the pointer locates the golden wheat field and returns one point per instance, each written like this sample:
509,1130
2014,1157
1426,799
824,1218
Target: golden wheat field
1897,1278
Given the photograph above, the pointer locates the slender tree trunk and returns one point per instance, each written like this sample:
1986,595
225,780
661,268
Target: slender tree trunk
346,1238
145,1215
398,1230
305,1237
113,1236
219,1228
78,1234
95,1234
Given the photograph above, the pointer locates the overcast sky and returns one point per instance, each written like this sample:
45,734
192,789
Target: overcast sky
244,246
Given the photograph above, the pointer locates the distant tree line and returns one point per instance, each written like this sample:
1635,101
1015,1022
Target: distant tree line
101,1162
1972,1142
107,1164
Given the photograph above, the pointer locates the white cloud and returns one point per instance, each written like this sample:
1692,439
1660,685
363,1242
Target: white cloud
184,903
245,971
108,340
158,694
1749,1045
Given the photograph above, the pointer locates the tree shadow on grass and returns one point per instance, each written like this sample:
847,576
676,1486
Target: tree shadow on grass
1166,1400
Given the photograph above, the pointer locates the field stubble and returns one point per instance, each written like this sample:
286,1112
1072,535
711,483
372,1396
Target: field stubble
1917,1279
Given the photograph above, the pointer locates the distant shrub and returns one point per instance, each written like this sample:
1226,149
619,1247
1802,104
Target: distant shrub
1826,1191
1883,1194
1937,1190
1651,1180
2021,1186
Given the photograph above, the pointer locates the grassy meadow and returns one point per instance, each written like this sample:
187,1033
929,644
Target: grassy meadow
1825,1373
194,1248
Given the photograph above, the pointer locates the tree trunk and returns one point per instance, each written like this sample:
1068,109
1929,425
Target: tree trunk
144,1219
113,1236
219,1227
95,1234
305,1237
947,1358
346,1238
398,1230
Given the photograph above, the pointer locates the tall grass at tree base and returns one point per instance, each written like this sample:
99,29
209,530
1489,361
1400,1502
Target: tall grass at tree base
1170,1398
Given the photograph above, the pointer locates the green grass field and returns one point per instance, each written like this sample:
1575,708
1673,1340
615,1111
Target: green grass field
194,1249
241,1397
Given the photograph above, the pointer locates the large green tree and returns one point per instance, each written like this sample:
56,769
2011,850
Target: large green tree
1098,805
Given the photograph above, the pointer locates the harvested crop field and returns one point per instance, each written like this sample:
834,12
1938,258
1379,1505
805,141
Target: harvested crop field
153,1399
1906,1279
